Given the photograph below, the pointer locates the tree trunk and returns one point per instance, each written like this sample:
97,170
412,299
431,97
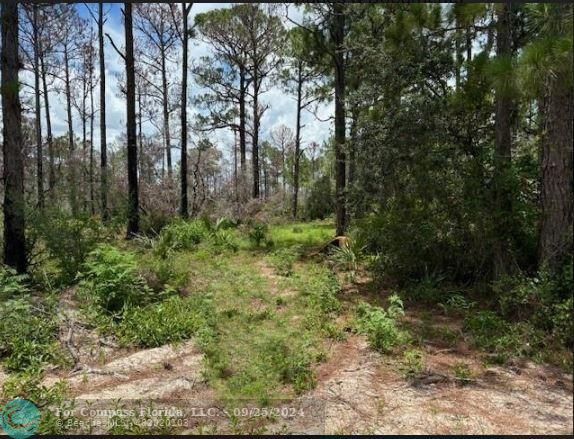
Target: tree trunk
183,165
91,170
297,140
503,151
133,202
242,131
84,145
340,158
103,146
49,138
556,189
71,148
165,106
13,175
38,124
255,135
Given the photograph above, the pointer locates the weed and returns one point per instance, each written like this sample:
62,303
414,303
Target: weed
457,303
380,326
413,362
257,234
223,240
462,372
283,260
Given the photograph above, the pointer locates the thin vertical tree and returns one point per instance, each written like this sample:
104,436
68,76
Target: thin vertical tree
14,217
103,146
184,35
503,139
38,121
132,149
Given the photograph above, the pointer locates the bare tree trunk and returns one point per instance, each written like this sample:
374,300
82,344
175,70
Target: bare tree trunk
297,140
38,124
340,159
91,170
49,138
133,201
165,107
13,175
71,147
103,146
235,176
242,130
503,151
557,169
183,210
255,135
84,145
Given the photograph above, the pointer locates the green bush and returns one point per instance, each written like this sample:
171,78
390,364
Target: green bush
28,334
172,320
112,282
12,284
222,239
322,290
180,235
67,239
320,203
496,335
544,300
380,325
413,362
29,385
257,233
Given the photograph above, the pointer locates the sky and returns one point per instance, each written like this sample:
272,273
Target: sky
281,105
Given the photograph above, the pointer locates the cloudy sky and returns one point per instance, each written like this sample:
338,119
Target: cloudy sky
281,105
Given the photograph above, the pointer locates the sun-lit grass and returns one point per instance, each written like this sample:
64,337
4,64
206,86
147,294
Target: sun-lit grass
303,234
270,327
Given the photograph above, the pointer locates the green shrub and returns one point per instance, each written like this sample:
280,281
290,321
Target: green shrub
462,372
223,239
457,303
172,320
413,362
112,282
494,334
68,239
12,284
380,325
54,401
322,290
257,233
544,300
180,235
320,202
28,334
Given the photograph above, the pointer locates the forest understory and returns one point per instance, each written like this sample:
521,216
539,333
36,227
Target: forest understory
284,331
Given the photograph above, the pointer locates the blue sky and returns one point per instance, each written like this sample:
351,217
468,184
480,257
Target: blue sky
281,105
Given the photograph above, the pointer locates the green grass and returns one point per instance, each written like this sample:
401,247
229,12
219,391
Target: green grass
265,346
307,235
